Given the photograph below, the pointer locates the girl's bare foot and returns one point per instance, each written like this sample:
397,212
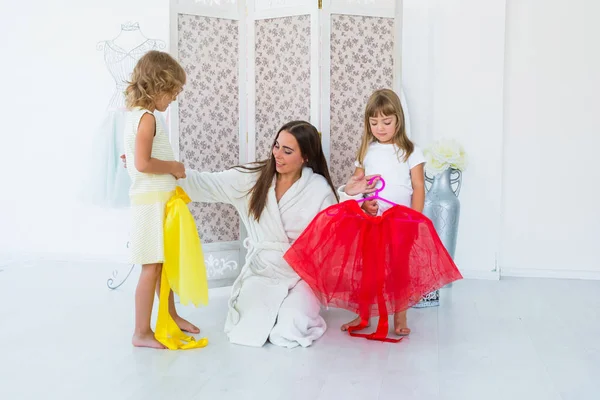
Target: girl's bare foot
354,322
146,340
400,324
186,326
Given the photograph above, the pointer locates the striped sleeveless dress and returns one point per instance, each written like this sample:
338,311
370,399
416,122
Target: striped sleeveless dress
148,193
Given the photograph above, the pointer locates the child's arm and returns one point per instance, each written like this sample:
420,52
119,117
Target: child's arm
417,177
143,150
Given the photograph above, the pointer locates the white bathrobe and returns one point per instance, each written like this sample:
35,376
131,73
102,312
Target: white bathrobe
268,299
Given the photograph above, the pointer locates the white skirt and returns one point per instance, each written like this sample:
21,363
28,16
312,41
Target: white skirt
147,227
147,236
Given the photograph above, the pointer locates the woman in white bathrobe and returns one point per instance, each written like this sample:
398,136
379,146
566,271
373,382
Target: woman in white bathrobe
276,199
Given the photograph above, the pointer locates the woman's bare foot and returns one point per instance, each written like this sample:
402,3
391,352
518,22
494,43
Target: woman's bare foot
400,324
354,322
146,340
185,325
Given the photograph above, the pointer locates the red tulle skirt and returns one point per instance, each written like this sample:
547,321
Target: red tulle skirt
371,265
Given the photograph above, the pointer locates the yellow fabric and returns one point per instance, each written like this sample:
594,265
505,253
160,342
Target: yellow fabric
183,271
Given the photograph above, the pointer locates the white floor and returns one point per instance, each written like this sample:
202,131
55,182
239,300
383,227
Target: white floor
65,335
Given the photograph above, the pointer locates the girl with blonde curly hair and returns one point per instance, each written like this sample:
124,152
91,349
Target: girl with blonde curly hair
155,82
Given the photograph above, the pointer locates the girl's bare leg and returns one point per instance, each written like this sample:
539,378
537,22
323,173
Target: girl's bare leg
143,336
400,324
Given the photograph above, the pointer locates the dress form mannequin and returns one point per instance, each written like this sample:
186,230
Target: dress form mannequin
107,184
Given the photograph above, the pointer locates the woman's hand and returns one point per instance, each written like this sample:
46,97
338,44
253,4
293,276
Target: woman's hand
359,184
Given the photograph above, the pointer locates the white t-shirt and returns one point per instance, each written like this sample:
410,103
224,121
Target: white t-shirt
387,161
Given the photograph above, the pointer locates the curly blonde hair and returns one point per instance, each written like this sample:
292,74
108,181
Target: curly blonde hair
385,102
155,74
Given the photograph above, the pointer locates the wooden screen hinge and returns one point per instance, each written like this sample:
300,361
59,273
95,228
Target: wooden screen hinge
320,2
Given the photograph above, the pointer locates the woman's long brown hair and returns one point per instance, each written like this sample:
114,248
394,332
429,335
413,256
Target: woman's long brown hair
309,142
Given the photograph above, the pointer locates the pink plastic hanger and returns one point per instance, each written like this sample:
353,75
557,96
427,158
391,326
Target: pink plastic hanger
376,195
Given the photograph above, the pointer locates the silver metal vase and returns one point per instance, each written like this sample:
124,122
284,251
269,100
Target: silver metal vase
442,207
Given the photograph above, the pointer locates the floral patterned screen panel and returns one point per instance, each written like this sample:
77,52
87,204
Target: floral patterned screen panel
282,59
361,62
209,113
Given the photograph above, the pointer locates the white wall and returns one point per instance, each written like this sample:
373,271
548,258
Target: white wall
524,113
517,83
55,90
551,215
453,67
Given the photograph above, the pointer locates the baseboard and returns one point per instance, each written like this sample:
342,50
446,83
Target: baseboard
477,274
550,273
7,258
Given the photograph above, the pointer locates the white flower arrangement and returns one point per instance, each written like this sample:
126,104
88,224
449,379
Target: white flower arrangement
444,154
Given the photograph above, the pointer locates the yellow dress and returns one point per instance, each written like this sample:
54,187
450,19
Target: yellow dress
148,193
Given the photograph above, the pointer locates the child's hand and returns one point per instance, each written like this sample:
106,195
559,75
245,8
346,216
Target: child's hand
371,207
124,160
178,170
